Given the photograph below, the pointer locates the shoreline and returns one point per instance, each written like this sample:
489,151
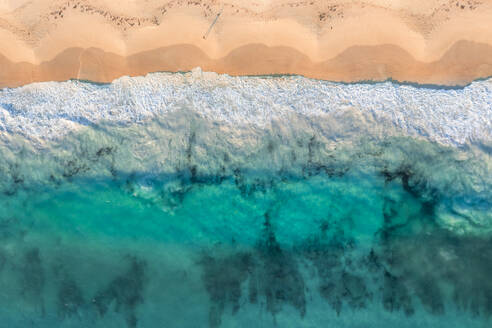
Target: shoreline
425,42
416,85
452,70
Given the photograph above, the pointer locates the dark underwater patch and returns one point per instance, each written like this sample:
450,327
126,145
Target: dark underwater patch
70,299
395,294
423,261
439,263
248,186
272,274
278,278
13,175
126,291
223,278
330,253
32,279
86,159
73,168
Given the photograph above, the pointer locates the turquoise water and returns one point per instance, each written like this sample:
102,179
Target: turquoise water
332,217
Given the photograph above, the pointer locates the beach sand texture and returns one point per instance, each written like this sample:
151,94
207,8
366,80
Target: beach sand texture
423,41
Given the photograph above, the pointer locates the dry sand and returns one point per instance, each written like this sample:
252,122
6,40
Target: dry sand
424,41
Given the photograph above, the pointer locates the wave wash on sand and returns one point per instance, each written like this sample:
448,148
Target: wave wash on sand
203,200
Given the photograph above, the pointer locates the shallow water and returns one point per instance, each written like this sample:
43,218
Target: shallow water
200,200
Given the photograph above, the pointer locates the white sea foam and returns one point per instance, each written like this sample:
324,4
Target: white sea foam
50,110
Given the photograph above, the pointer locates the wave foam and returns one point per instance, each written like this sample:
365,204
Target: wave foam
50,110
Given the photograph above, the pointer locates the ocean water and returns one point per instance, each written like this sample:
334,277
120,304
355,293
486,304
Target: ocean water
204,200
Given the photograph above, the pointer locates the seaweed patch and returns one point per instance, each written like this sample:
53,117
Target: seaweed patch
126,290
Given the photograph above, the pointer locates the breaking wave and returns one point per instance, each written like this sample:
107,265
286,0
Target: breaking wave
49,110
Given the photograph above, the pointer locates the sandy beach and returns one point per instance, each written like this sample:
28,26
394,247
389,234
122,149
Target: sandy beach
422,41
